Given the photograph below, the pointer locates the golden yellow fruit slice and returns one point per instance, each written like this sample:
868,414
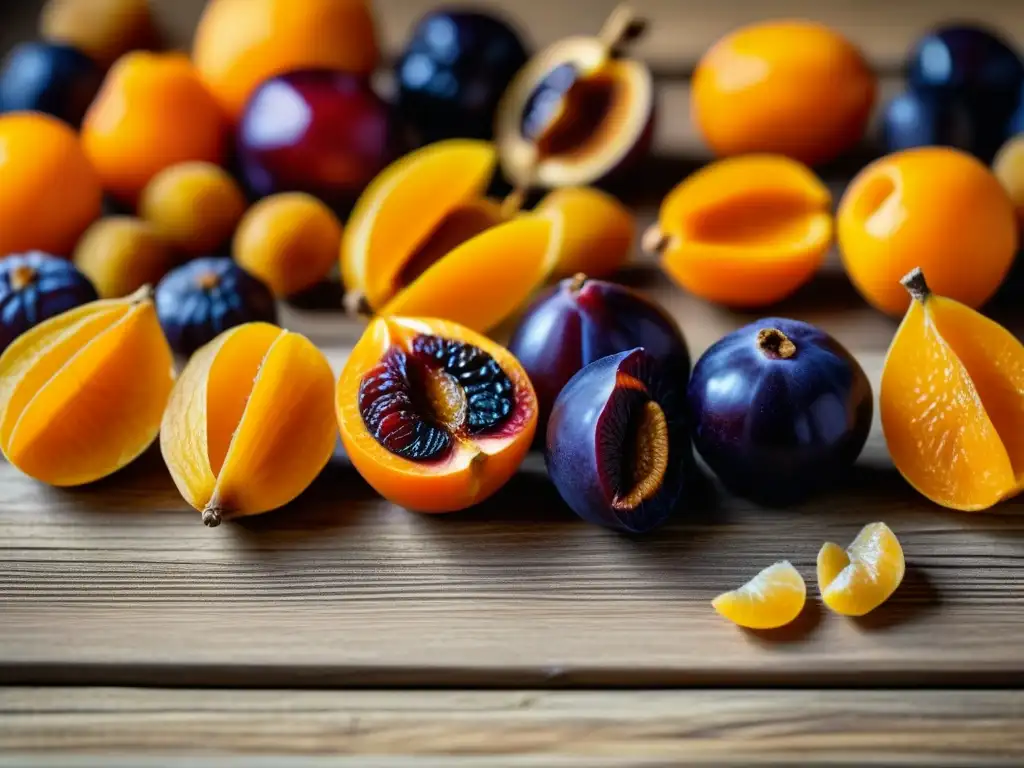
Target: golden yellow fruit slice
771,599
858,580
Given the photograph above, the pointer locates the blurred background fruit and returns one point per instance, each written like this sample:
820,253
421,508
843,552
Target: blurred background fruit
915,119
242,43
120,254
49,77
193,206
322,132
151,113
49,192
1009,169
102,29
453,71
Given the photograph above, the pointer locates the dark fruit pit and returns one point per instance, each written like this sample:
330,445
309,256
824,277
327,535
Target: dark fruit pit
778,410
322,132
915,119
204,297
617,444
416,403
48,77
579,321
453,72
35,287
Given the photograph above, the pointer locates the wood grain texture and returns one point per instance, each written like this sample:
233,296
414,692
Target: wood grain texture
550,729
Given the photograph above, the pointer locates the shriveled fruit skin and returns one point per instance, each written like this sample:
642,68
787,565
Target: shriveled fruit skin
34,287
47,77
120,254
779,409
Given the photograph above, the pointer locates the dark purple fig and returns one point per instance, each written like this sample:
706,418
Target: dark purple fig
36,286
965,59
203,298
579,321
778,410
49,77
617,444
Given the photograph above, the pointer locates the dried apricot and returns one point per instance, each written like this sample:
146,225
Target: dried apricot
860,578
597,231
289,241
49,192
434,416
1009,169
242,43
193,206
249,424
952,402
772,599
796,88
933,207
81,394
746,231
151,113
422,240
103,29
120,254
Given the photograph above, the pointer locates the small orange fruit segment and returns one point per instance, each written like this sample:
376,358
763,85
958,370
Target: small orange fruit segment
952,402
746,231
81,394
772,599
120,254
858,580
597,231
249,424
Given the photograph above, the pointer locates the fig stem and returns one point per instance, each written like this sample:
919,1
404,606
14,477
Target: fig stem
775,344
22,276
213,514
622,26
915,284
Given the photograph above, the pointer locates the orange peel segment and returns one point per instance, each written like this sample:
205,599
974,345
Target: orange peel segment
772,599
857,580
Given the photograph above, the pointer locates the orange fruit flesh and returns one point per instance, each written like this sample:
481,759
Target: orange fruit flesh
772,599
597,231
858,580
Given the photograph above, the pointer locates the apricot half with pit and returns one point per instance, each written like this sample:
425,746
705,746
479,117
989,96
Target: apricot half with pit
434,416
745,231
579,110
423,240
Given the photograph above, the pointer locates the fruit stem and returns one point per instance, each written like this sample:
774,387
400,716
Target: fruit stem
213,514
207,281
915,284
22,276
514,200
578,281
775,344
653,240
621,27
145,293
356,305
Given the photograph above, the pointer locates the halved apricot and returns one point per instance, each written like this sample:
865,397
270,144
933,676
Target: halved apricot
81,394
772,599
860,578
597,231
422,240
746,231
952,402
249,424
434,416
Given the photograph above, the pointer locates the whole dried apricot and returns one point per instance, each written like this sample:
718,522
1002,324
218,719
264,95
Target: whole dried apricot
952,402
193,206
934,207
249,423
242,43
49,192
795,88
104,29
746,231
434,416
151,113
597,231
289,241
120,254
82,394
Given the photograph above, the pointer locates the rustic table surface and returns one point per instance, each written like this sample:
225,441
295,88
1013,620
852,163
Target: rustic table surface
513,634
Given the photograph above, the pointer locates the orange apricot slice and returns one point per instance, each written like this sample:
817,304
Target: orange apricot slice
81,394
597,231
772,599
422,239
860,578
952,402
250,422
745,231
433,415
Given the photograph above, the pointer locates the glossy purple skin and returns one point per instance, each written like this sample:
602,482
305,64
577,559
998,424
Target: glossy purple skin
590,428
965,59
566,328
776,430
49,77
916,119
322,132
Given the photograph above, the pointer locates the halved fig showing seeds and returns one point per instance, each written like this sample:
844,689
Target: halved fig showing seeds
577,111
618,449
424,240
433,415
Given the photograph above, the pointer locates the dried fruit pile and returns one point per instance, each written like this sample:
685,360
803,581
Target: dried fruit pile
232,170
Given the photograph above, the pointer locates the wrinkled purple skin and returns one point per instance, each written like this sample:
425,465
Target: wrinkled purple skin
777,430
589,429
565,329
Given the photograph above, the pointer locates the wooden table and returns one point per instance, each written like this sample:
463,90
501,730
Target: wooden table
514,634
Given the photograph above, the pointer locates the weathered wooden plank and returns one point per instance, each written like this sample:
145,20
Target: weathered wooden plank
556,729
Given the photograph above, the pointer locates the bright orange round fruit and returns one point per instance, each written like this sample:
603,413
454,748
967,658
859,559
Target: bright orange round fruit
49,192
935,208
242,43
794,88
